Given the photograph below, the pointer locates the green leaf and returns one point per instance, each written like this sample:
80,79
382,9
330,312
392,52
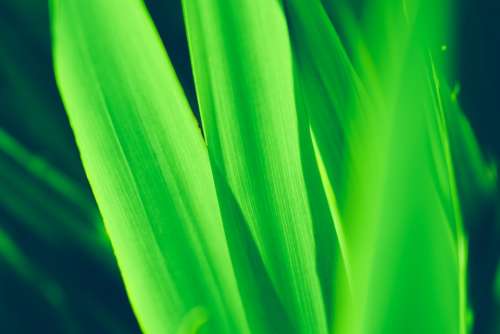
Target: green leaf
338,109
385,159
147,165
243,73
265,311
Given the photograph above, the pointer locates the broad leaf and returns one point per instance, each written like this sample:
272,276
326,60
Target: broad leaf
147,165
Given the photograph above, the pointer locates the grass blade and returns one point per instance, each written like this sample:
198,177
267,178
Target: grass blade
242,66
147,165
369,171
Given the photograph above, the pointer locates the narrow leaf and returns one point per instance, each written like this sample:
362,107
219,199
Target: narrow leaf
243,72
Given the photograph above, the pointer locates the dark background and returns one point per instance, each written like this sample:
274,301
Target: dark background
479,75
52,280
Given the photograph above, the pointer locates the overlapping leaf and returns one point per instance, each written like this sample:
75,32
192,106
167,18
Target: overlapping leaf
242,66
328,198
386,202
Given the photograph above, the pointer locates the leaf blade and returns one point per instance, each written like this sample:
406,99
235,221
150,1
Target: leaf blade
243,74
128,112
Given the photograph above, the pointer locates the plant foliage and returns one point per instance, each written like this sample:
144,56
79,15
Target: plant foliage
323,195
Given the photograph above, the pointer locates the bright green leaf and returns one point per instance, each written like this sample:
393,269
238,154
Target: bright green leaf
147,165
243,72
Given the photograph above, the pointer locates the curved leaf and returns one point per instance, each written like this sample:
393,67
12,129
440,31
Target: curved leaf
147,165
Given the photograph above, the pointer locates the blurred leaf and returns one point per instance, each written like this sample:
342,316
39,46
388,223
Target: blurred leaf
52,206
48,289
333,98
389,170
